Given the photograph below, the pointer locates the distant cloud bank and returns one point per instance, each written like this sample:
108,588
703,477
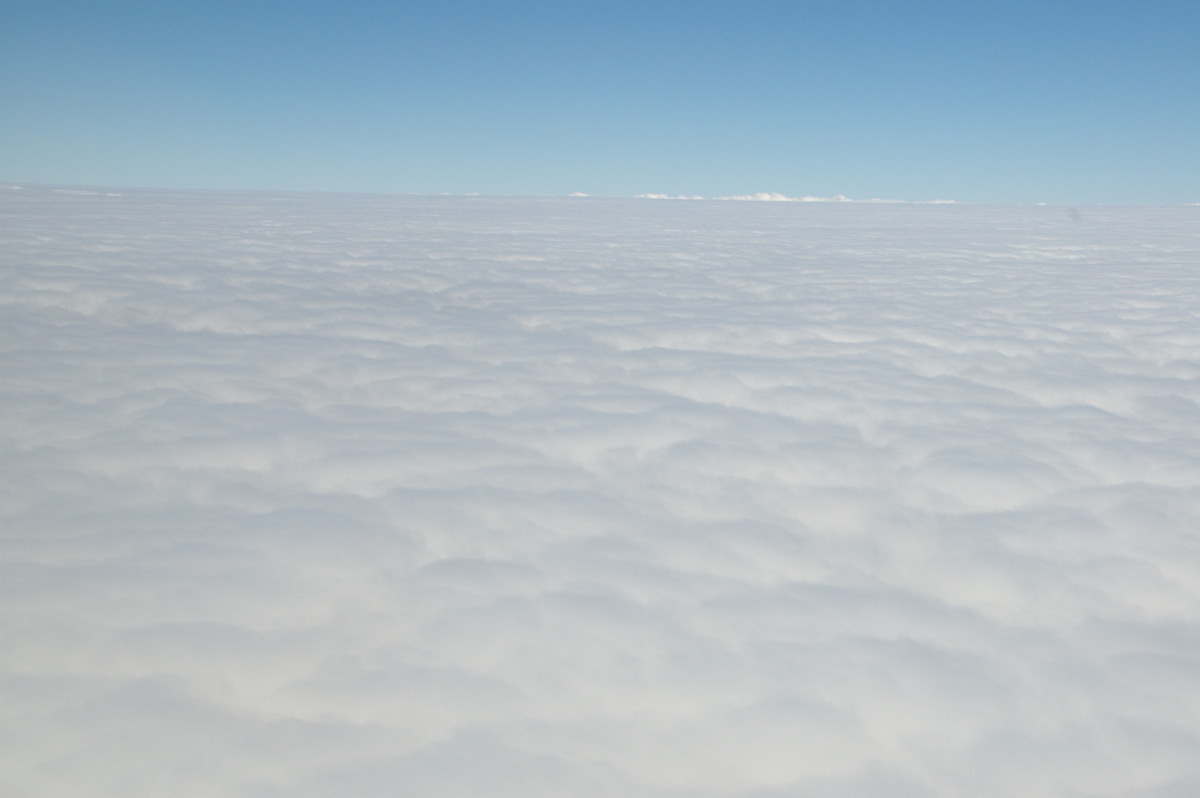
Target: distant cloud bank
776,197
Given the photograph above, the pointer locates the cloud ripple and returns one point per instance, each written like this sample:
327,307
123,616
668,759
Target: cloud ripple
320,496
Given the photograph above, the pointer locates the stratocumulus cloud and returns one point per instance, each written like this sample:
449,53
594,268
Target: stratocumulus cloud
324,496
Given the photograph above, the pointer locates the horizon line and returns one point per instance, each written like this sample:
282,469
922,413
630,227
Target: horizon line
85,189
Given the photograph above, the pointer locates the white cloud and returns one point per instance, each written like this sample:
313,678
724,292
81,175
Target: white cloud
766,196
668,196
319,496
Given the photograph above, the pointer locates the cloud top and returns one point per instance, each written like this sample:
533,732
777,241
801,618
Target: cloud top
329,495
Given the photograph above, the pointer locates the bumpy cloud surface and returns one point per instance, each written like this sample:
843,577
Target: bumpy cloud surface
361,496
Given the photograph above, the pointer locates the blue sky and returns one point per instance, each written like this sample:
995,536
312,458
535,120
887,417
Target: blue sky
990,102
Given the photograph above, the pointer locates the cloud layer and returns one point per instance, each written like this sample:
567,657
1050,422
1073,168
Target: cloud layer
322,496
774,196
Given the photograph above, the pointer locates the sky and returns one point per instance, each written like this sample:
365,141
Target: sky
329,495
1063,102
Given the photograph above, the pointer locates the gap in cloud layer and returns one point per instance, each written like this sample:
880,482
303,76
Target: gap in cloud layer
326,495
